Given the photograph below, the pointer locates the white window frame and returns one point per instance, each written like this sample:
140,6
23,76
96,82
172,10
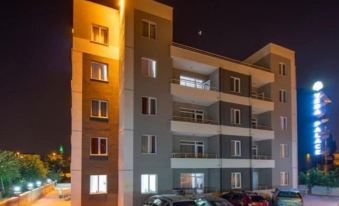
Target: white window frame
149,105
236,145
151,65
195,113
99,148
98,184
283,95
100,72
195,144
99,109
283,123
282,69
101,28
234,112
149,23
283,151
194,180
148,190
236,84
149,144
283,178
236,180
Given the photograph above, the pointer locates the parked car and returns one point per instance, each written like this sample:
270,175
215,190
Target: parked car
287,197
245,199
169,200
209,200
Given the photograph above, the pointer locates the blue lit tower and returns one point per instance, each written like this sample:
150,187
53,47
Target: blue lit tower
320,124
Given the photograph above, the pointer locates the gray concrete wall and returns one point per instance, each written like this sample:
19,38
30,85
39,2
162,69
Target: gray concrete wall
225,114
225,82
226,147
264,176
158,124
245,178
264,147
265,119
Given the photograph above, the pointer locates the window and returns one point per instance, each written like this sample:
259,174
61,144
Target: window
282,95
236,180
235,84
192,149
255,150
99,71
148,144
283,178
282,69
149,183
192,180
148,67
149,105
98,184
235,116
149,29
99,109
100,34
236,148
99,146
196,115
283,122
283,151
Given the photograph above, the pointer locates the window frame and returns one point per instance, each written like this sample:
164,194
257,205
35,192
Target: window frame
149,60
282,69
283,150
148,179
236,144
149,105
236,82
98,180
283,95
233,183
284,178
283,123
149,23
91,75
100,27
99,109
233,115
99,148
149,144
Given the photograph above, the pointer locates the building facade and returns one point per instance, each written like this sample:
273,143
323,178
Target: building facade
151,116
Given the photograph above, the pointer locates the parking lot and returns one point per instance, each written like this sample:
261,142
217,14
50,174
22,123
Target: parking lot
321,201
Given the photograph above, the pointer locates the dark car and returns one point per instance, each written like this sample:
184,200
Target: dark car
169,200
209,200
245,199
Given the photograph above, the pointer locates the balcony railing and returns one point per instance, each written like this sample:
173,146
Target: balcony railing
260,95
264,127
194,120
261,157
194,84
194,155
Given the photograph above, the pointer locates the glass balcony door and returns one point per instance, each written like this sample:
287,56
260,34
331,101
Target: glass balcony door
193,149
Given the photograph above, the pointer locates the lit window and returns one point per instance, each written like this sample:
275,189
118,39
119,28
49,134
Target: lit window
194,82
236,148
99,71
283,151
236,180
149,29
192,180
100,34
99,109
283,178
149,183
282,95
149,105
282,69
148,144
98,146
148,67
235,116
98,184
235,84
283,122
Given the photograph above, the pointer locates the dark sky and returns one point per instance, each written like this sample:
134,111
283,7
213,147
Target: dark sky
36,71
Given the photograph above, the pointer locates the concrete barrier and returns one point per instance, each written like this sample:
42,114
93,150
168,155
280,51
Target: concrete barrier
328,191
27,198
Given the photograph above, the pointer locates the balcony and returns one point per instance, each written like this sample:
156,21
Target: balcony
194,163
193,92
195,155
261,132
262,163
194,126
260,102
261,157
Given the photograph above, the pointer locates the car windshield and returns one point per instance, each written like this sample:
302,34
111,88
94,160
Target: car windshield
257,198
184,203
289,194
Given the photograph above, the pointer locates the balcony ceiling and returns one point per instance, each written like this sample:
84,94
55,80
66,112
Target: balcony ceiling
192,66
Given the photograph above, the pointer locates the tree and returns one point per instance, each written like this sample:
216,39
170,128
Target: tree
9,169
57,166
32,168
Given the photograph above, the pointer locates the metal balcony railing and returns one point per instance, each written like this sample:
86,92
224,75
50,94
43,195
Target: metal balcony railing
194,120
264,127
194,84
261,157
260,95
194,155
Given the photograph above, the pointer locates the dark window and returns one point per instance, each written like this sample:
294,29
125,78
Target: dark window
98,146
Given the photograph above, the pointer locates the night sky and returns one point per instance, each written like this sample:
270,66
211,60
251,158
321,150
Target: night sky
36,65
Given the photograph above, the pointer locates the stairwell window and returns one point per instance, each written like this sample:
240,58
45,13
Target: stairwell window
236,180
148,144
236,148
149,105
283,123
99,34
99,146
283,151
235,116
283,95
282,69
235,84
149,29
99,71
283,178
148,67
149,183
98,184
99,109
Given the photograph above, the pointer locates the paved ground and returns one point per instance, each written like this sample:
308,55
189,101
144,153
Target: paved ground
52,199
321,201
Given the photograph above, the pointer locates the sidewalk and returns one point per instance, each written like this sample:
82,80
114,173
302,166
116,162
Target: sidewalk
52,199
311,200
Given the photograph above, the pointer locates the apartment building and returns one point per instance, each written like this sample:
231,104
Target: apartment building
153,116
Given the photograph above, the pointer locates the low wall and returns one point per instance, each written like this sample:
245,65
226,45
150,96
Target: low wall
27,198
328,191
